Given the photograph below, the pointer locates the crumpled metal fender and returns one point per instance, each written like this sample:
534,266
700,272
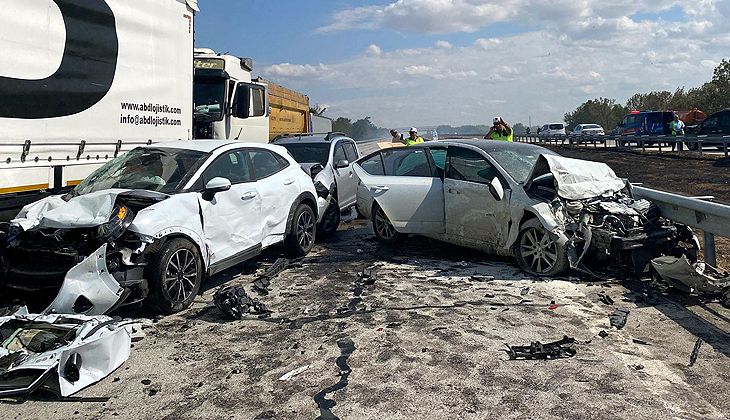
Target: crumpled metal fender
90,279
543,212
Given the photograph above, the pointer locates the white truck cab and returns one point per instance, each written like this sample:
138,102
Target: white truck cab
228,104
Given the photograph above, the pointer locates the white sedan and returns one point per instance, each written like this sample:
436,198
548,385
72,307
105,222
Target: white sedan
151,224
513,199
586,130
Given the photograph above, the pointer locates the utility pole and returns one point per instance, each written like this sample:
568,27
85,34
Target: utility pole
530,123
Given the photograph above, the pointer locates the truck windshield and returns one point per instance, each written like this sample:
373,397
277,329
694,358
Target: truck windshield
161,170
209,96
309,153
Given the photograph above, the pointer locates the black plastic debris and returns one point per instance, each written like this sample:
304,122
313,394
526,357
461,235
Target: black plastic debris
695,353
618,318
262,283
234,302
606,299
603,334
537,351
642,342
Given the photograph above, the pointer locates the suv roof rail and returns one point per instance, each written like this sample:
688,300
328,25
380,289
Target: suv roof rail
328,135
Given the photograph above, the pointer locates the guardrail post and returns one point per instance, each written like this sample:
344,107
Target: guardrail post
710,253
699,147
724,146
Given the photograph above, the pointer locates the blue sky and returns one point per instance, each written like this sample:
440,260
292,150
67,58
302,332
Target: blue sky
432,62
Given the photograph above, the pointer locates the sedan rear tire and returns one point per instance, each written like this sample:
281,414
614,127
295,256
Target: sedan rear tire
174,275
537,252
383,228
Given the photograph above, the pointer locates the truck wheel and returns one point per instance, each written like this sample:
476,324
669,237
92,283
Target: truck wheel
537,253
300,240
174,276
330,221
383,229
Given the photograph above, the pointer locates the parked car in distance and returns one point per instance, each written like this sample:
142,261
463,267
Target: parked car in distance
552,130
328,159
152,223
717,124
586,130
514,199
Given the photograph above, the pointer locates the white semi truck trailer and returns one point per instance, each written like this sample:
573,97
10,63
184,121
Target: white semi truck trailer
82,81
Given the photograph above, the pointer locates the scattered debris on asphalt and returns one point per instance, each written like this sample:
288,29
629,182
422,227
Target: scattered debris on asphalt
294,373
556,350
642,342
606,299
638,367
603,334
262,282
59,353
689,277
618,318
235,302
695,353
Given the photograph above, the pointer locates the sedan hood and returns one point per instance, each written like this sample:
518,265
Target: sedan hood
577,179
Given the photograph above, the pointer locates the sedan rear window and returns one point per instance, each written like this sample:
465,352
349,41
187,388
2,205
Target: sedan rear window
406,162
373,165
556,126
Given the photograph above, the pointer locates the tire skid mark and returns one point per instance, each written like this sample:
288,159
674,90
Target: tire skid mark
347,346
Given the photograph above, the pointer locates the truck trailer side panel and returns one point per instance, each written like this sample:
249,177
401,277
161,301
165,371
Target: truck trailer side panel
82,81
289,110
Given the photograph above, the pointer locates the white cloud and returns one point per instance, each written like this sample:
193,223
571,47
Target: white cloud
374,50
575,51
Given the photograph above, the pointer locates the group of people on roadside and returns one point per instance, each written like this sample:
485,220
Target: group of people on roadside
500,130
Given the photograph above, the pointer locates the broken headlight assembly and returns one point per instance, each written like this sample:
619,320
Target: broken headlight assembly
119,221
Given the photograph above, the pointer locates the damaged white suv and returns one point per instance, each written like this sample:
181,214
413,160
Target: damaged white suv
151,224
552,213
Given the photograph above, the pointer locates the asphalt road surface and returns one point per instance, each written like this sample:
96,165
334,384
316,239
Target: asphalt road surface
423,338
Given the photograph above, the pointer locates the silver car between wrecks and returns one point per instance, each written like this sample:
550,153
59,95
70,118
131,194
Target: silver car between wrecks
513,199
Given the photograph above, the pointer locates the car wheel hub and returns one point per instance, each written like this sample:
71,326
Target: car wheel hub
180,275
305,230
538,250
384,227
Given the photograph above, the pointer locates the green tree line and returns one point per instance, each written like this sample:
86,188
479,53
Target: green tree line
362,129
711,97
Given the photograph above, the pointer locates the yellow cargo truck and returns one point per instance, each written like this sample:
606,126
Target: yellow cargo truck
229,104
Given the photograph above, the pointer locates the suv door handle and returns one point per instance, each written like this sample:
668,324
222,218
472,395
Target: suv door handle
249,195
289,181
379,188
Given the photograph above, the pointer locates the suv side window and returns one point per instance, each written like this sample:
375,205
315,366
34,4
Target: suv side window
232,166
468,165
350,151
339,153
406,162
725,121
265,163
710,123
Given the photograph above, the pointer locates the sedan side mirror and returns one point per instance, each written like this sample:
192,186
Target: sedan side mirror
215,186
342,163
495,188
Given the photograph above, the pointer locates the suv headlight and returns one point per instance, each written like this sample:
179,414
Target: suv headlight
119,221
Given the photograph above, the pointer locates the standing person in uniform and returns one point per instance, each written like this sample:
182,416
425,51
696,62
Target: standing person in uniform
677,128
413,137
500,131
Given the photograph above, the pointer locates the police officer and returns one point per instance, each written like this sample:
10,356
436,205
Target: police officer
500,130
413,137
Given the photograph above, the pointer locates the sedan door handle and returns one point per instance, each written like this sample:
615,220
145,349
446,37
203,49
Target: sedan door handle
249,195
289,181
379,188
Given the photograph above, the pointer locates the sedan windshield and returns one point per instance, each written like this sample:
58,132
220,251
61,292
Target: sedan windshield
518,164
309,152
161,170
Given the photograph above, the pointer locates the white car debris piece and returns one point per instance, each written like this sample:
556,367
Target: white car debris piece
59,353
294,373
697,277
151,224
514,199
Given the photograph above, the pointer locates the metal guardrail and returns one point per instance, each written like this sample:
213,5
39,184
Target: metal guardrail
711,218
695,144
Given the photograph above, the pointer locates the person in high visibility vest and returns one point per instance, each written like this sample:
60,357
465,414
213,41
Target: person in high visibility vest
413,137
500,131
677,128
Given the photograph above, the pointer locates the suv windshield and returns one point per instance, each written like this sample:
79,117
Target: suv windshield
309,152
518,165
161,170
209,96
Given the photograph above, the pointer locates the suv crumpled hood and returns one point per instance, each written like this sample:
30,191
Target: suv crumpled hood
577,179
84,211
